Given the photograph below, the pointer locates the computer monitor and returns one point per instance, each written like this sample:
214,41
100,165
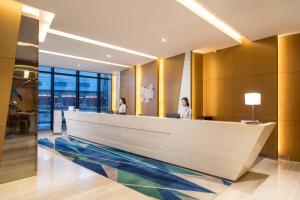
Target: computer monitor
173,115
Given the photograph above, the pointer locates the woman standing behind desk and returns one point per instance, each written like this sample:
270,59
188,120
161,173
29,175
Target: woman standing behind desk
121,109
186,111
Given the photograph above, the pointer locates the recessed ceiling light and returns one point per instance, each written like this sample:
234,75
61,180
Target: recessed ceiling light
163,39
108,55
82,58
205,14
78,65
98,43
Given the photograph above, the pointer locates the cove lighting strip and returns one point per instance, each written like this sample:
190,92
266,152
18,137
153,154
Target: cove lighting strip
161,87
82,58
138,85
205,14
98,43
45,19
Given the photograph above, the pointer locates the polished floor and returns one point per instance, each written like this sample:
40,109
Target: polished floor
59,178
19,150
150,177
267,180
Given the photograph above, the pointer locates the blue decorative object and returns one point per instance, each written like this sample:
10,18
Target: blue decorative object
148,176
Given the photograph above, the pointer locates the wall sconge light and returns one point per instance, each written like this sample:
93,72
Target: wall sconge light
253,99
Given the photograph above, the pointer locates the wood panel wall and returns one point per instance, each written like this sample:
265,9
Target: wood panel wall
197,85
173,69
219,82
127,89
289,96
149,75
10,16
230,73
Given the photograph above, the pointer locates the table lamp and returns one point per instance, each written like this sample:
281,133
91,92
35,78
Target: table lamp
253,99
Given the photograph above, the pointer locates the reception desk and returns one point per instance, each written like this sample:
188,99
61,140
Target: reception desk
223,149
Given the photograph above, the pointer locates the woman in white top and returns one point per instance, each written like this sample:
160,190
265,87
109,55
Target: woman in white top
186,111
121,109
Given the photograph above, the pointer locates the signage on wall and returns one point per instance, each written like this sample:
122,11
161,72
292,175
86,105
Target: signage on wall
146,93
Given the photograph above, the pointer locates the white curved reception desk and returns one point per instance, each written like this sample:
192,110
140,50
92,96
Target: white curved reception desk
223,149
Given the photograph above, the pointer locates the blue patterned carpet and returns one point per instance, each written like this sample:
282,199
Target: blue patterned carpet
150,177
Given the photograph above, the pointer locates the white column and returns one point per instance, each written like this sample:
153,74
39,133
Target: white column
185,89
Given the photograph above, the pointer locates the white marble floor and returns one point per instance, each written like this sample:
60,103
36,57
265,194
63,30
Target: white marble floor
59,178
267,180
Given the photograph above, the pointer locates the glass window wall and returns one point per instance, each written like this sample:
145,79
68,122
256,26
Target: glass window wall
88,97
105,95
44,101
60,88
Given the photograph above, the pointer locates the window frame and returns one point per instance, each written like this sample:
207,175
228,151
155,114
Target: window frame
51,100
99,77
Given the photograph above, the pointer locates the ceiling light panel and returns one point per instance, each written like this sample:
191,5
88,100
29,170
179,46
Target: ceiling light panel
99,43
56,43
82,58
140,36
70,63
211,18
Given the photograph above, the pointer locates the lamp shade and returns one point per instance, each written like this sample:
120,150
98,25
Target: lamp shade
252,99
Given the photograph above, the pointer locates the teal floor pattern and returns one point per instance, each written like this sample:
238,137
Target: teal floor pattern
148,176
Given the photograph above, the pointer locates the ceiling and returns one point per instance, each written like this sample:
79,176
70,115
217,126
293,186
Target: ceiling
140,24
258,19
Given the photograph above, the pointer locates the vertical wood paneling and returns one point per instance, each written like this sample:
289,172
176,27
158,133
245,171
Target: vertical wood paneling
197,85
149,74
289,96
173,69
127,89
10,15
230,73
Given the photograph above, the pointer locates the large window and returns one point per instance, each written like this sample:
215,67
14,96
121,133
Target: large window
64,91
88,97
105,95
44,99
60,88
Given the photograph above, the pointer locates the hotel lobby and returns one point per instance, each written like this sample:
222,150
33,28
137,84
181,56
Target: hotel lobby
143,99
